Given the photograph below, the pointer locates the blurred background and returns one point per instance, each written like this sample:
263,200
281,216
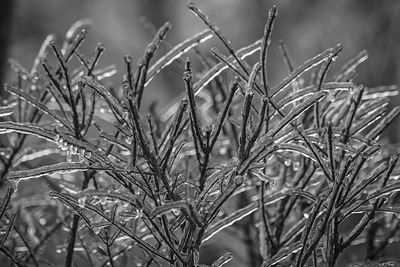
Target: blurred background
124,26
307,27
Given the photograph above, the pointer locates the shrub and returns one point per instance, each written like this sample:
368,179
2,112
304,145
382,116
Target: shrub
289,166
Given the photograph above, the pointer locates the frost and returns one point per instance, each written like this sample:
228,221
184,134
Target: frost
301,155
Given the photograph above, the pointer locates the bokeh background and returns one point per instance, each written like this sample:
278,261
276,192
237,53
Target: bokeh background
124,26
307,27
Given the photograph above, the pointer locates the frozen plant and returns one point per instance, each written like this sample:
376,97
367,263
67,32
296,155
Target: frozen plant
285,166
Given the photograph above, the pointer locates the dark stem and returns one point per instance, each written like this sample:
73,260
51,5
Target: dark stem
75,223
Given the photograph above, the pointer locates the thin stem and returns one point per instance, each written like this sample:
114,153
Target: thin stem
264,46
74,228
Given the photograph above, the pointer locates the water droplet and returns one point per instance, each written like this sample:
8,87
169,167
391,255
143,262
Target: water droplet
42,221
306,215
60,141
223,150
59,250
287,162
272,183
175,212
81,157
64,146
35,77
6,151
296,165
125,115
139,214
164,249
82,202
125,204
128,140
88,154
334,58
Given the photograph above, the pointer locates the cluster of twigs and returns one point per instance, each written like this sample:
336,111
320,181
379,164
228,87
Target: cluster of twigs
296,160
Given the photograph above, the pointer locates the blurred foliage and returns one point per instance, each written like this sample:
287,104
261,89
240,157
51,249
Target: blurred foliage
307,26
